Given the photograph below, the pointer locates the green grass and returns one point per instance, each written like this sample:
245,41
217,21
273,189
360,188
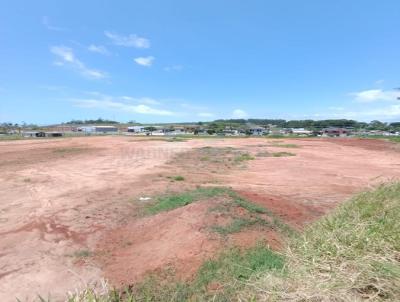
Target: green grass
282,154
223,156
177,139
237,225
235,264
217,280
176,200
263,154
254,214
249,206
285,145
395,139
179,178
82,254
350,255
243,157
68,150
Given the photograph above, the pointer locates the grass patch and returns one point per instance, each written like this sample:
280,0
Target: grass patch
82,254
255,214
217,280
249,206
238,265
350,255
176,139
263,154
173,201
179,178
237,225
68,150
225,155
395,139
243,157
286,145
282,154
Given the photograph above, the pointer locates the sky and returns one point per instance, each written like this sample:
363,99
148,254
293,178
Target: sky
182,61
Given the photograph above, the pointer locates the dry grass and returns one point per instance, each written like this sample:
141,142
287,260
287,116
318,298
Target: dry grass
351,255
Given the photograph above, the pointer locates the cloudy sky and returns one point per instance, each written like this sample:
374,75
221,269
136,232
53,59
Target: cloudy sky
180,60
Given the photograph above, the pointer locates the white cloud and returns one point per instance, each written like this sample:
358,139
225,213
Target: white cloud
99,49
375,95
135,105
335,108
377,113
46,23
128,41
148,101
193,107
67,58
145,61
239,113
205,114
173,68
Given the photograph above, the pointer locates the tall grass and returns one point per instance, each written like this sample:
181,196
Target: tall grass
351,255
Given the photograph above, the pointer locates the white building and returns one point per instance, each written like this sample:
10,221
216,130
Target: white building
257,131
98,129
301,131
136,129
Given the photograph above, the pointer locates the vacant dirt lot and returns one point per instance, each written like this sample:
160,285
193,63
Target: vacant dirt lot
69,208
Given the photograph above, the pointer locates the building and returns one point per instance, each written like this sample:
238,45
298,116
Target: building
136,129
98,129
257,130
335,132
301,131
41,134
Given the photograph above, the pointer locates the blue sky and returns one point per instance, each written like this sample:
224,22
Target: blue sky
163,61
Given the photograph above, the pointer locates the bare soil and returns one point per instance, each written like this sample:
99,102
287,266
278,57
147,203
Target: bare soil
69,207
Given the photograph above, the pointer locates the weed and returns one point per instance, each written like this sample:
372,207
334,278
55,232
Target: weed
173,201
243,157
249,206
237,225
179,178
68,150
229,271
286,145
82,254
176,139
282,154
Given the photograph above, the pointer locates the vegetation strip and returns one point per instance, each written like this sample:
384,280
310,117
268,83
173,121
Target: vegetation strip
350,255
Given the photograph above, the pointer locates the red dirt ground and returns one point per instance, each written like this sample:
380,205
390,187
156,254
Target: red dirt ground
64,196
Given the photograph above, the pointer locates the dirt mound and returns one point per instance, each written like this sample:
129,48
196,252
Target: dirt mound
178,241
295,214
177,238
